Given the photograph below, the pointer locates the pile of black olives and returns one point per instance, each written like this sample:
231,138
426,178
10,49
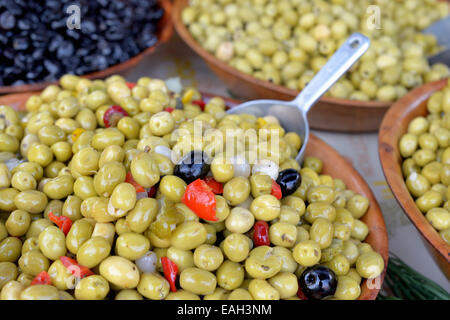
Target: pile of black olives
37,45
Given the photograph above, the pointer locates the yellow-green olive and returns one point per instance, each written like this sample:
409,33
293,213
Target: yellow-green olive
107,137
144,170
59,187
347,289
237,190
189,235
370,265
183,258
153,286
11,290
52,242
80,232
120,272
144,212
108,177
236,247
10,249
132,245
263,263
40,292
128,294
18,223
84,188
93,251
8,272
307,253
94,287
208,257
37,226
198,281
31,201
33,262
285,283
262,290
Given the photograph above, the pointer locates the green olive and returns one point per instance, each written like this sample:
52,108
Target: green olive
10,249
18,223
153,286
93,251
94,287
120,272
198,281
52,242
40,292
80,232
132,245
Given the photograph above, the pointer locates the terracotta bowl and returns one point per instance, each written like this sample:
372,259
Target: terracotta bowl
333,164
164,32
394,125
328,114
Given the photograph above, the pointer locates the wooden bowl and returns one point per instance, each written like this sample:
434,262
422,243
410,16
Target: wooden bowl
394,125
328,114
333,164
164,32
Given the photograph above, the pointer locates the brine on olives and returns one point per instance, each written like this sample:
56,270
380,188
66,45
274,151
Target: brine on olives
107,211
193,166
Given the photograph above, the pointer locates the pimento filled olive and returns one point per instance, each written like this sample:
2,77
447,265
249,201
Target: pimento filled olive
193,166
318,282
289,180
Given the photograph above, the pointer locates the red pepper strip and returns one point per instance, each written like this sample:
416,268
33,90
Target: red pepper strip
152,192
300,293
42,278
170,269
129,179
199,198
276,190
73,266
131,85
169,109
63,222
215,186
200,103
112,116
261,234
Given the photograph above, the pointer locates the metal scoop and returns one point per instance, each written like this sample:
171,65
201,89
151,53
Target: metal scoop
292,114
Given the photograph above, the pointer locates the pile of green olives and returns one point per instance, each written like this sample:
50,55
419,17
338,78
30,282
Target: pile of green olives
108,156
425,149
286,42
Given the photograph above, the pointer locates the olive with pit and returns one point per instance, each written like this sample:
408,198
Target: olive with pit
153,286
120,272
263,263
31,201
93,251
132,245
94,287
198,281
52,243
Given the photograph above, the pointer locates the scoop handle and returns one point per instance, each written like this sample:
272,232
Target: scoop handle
352,49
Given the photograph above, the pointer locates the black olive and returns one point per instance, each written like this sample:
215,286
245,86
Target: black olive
289,180
193,166
318,282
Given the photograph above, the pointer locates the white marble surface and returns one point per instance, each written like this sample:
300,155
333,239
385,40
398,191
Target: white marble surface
175,59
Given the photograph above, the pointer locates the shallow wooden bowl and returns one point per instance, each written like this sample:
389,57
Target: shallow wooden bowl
328,114
394,125
333,164
164,32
